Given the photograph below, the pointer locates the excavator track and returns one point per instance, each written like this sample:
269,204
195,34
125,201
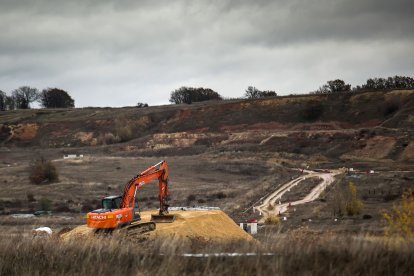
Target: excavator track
134,229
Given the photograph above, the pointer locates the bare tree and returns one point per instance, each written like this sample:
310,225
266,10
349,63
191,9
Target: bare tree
254,93
24,96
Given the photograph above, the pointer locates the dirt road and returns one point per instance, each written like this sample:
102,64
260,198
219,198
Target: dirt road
274,204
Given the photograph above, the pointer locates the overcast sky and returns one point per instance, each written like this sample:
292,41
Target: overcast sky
118,53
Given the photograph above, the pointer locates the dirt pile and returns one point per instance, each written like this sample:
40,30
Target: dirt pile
202,225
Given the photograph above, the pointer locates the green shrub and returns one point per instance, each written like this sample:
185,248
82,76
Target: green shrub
45,204
124,133
345,201
353,205
401,219
271,219
43,171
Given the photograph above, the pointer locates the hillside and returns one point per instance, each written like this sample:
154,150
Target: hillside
367,126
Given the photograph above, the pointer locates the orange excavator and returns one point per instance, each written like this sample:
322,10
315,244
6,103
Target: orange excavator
120,212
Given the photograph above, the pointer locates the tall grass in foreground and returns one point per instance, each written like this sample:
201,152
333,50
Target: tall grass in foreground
293,254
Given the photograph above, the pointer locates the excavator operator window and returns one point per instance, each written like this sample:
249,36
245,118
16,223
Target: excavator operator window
110,203
117,202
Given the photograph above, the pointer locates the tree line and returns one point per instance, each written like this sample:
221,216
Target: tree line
189,95
24,96
372,84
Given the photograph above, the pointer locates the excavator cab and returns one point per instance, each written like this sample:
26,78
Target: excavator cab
111,202
114,202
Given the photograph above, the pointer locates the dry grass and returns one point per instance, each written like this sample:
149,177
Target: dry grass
291,255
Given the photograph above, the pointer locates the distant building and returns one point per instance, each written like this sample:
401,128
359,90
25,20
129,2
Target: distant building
72,156
249,227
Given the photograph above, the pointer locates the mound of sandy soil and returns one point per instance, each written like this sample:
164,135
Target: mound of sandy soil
203,225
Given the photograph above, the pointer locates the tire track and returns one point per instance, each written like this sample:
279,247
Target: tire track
275,199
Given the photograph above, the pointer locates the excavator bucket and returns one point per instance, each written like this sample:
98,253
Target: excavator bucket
162,218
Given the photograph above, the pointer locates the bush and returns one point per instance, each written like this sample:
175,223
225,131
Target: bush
124,133
191,198
346,200
45,204
220,195
366,216
30,197
401,219
43,171
353,205
272,220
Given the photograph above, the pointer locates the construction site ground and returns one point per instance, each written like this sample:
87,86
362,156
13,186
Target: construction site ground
234,182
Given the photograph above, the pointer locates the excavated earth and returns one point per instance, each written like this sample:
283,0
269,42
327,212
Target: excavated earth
201,225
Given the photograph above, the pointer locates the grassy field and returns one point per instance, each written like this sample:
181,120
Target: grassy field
293,254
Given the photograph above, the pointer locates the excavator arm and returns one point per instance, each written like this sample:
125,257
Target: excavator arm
158,171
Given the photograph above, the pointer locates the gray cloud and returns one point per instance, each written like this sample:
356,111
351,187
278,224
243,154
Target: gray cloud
120,52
